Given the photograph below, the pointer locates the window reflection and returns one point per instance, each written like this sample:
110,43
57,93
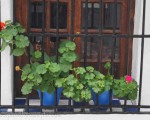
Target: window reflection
110,12
62,15
36,15
92,15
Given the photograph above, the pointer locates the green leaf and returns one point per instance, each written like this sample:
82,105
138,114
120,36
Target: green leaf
18,52
24,76
89,76
70,45
59,82
71,80
63,61
54,67
44,87
37,54
38,78
90,69
86,94
80,86
79,70
70,56
21,41
68,92
8,22
46,57
4,45
27,88
31,76
34,66
62,50
51,89
98,75
41,69
107,65
65,67
26,69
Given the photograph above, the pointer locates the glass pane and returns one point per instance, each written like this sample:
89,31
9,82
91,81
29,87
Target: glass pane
92,15
107,46
109,15
36,15
53,44
92,49
62,14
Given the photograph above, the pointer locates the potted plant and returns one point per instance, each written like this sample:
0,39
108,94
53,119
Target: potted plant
79,83
42,76
103,97
125,87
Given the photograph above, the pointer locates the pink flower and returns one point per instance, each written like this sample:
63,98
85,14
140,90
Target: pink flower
128,79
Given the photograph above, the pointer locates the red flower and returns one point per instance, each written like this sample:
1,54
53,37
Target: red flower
2,25
128,79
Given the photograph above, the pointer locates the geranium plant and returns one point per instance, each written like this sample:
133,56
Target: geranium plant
126,87
42,76
48,75
12,35
79,84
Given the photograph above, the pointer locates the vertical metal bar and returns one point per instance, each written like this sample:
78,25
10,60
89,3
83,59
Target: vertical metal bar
99,42
100,33
113,46
42,46
128,43
28,57
72,18
0,63
142,53
128,34
14,81
57,44
92,16
72,31
86,33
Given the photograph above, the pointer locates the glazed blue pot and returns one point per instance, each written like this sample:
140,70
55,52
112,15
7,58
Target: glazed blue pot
103,98
48,98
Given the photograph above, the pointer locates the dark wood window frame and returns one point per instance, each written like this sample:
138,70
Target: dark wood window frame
21,13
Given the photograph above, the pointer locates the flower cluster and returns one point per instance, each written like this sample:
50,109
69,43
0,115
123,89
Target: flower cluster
128,79
2,25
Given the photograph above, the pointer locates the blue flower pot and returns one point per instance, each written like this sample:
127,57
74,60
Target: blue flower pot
103,98
48,98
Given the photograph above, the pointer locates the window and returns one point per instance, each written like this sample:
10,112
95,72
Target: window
97,42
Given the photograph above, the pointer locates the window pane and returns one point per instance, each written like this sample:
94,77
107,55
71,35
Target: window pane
62,13
110,14
107,46
92,15
36,15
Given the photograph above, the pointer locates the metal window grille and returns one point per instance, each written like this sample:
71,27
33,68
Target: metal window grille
83,108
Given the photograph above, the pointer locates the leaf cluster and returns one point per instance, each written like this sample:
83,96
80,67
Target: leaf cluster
80,84
42,76
13,36
123,89
39,76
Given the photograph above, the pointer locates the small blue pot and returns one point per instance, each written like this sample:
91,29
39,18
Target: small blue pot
48,98
103,99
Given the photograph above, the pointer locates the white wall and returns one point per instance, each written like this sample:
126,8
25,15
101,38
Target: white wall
76,117
6,59
145,97
7,68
